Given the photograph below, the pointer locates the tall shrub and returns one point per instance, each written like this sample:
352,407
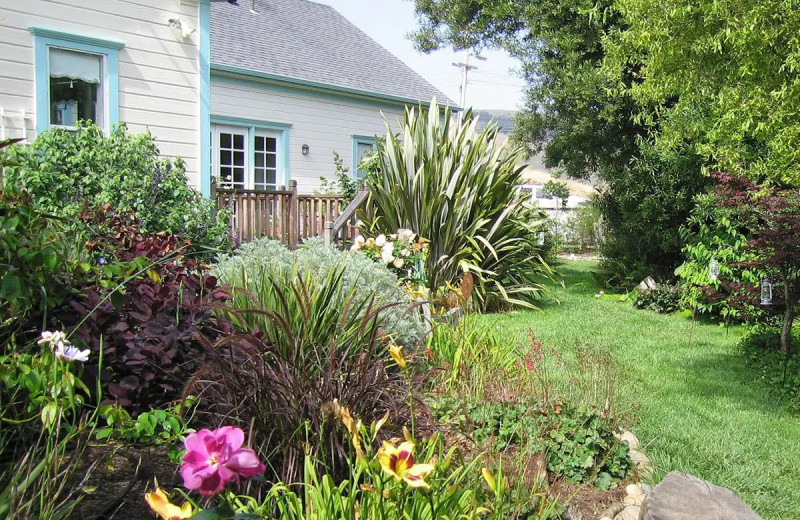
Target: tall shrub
713,233
64,171
454,185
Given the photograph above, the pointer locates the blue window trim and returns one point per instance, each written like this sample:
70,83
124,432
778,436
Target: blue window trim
357,140
43,40
205,96
252,125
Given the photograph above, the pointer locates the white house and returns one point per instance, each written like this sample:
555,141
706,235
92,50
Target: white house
254,92
108,61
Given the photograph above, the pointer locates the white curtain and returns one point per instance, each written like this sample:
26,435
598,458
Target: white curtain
74,65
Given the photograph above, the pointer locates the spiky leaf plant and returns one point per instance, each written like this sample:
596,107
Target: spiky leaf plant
309,343
455,185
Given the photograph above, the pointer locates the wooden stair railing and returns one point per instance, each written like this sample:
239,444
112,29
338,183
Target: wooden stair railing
347,216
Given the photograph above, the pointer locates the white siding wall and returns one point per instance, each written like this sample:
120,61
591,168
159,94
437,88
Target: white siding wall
159,76
326,123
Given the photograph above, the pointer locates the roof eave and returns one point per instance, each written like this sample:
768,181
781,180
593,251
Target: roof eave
229,70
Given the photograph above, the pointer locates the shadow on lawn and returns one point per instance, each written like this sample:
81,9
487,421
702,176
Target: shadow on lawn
726,376
577,276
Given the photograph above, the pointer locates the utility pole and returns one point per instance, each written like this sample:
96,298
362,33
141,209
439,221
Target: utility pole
465,68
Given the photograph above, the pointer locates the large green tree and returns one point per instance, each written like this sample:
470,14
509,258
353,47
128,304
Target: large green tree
579,114
721,74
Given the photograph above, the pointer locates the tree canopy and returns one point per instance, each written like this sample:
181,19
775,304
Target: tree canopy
721,75
580,114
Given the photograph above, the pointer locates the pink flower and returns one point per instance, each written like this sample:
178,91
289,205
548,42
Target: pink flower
214,458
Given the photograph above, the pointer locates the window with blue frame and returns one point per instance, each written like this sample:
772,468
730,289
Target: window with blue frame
77,78
362,146
248,157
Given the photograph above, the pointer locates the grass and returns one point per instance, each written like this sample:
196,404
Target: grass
697,407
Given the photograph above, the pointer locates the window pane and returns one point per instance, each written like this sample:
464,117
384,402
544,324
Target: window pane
364,148
225,157
271,160
238,158
272,177
225,140
259,160
259,180
73,100
225,175
238,176
238,141
272,144
76,87
259,143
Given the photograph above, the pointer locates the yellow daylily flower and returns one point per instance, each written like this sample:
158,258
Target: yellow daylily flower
160,504
396,352
489,478
399,463
353,427
376,426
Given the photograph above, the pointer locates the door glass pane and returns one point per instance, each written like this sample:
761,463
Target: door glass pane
232,156
266,162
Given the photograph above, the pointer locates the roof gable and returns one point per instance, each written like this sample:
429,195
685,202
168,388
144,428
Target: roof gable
310,42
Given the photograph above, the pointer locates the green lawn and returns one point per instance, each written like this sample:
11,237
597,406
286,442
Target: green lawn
697,407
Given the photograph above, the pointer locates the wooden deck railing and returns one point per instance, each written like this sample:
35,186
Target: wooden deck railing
281,214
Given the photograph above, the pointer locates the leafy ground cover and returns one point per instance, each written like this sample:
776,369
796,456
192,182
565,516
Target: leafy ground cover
698,407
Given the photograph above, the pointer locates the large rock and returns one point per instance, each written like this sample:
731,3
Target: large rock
685,497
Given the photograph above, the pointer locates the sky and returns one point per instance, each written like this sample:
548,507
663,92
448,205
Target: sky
492,86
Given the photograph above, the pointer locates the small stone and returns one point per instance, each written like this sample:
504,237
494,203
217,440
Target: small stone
643,465
634,490
633,442
629,513
647,488
634,500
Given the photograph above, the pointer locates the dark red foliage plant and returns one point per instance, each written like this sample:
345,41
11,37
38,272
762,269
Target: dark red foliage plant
772,214
149,329
281,381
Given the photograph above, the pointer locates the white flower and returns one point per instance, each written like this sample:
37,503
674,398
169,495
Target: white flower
380,240
405,252
405,234
358,243
52,338
387,253
398,263
67,352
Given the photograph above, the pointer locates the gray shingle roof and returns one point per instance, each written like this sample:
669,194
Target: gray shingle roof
310,42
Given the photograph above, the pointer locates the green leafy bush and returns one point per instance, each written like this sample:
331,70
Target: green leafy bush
664,299
453,186
579,442
713,233
64,171
257,265
34,252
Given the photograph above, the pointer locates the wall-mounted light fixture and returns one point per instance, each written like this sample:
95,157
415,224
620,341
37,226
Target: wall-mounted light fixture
180,30
304,149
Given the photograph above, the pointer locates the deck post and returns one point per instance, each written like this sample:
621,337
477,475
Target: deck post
294,215
327,234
